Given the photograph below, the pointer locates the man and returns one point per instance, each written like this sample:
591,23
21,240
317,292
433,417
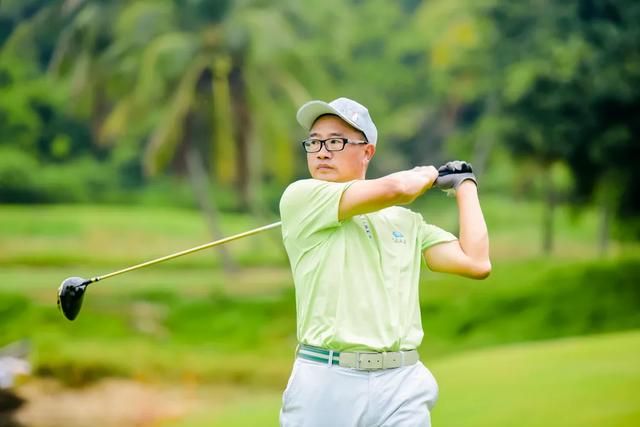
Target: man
355,258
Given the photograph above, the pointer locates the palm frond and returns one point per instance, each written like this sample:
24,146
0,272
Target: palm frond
163,142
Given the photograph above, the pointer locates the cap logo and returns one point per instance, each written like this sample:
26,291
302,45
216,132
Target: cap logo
354,117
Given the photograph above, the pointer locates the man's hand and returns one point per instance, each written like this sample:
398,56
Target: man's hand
452,174
418,180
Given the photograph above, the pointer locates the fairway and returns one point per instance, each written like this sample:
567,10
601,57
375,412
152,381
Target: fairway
191,310
592,381
587,382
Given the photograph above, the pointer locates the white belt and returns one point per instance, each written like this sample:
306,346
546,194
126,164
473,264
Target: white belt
365,361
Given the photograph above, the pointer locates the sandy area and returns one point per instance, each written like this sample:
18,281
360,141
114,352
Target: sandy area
111,402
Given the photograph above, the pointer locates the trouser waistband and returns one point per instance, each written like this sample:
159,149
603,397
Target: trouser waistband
366,361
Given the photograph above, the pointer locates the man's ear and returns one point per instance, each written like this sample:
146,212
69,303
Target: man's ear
369,151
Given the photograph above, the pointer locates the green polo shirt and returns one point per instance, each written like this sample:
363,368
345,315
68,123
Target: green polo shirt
356,280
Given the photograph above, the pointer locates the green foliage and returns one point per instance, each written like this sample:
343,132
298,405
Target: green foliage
569,99
164,323
562,301
555,83
25,180
230,324
28,104
18,180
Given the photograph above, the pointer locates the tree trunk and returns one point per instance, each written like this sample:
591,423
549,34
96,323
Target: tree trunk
223,141
99,110
242,135
485,142
605,225
201,189
548,215
433,131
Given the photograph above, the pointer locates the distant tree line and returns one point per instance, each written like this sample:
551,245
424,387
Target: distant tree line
543,97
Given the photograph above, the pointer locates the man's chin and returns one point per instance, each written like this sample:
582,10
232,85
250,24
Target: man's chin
326,175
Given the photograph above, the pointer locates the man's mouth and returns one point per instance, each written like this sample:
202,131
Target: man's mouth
323,166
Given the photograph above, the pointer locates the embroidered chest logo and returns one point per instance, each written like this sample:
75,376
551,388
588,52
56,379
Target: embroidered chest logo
365,225
398,237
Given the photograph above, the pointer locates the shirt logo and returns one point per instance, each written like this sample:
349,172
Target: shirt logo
398,237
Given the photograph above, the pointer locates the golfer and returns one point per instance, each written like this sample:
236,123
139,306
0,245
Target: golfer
355,257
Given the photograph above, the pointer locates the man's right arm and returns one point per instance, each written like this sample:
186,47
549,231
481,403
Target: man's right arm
398,188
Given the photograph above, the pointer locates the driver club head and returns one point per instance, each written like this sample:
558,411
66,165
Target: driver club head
70,295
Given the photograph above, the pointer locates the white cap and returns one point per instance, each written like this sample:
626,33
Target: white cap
347,109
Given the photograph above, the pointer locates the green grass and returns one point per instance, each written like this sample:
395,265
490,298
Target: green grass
113,236
204,321
110,237
187,318
577,382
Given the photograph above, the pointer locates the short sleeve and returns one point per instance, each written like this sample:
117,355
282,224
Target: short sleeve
310,206
432,235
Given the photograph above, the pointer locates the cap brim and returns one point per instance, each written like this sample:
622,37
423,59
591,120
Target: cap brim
309,112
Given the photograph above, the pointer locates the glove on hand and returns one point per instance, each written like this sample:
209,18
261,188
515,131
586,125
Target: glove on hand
452,174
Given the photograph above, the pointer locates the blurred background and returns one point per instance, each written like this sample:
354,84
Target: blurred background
133,129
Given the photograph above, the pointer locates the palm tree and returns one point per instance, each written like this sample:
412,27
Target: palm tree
248,92
211,78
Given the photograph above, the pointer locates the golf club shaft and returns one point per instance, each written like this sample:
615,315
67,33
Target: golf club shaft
188,251
198,248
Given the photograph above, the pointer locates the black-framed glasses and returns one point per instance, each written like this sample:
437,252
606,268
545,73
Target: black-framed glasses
313,145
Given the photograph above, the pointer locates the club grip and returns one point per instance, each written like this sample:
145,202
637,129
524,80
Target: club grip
465,169
448,172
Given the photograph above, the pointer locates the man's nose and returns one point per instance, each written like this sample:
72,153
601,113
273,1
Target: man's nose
323,153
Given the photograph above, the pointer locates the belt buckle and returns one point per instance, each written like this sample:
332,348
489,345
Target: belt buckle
369,361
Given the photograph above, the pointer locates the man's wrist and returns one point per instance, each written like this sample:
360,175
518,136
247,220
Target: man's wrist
467,186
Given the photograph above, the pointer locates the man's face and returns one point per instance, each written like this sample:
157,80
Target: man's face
338,166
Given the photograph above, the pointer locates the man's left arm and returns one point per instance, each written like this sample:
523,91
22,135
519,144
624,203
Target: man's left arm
469,255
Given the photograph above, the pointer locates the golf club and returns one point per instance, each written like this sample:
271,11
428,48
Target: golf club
71,291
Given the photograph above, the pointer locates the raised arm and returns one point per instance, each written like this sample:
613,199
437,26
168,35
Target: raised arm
398,188
469,255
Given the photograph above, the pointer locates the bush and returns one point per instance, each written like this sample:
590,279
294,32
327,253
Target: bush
18,183
23,179
567,300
